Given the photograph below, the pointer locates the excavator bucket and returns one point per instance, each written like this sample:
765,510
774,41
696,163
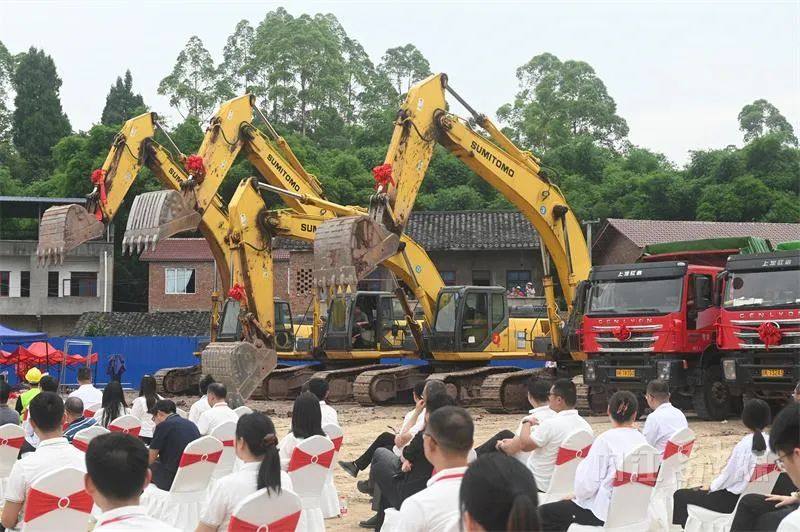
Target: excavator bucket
240,366
64,228
158,215
347,249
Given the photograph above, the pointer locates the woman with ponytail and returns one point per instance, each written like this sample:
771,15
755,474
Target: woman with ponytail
498,493
595,474
257,447
725,490
306,422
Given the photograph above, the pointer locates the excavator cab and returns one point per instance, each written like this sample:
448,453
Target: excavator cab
468,317
366,321
230,326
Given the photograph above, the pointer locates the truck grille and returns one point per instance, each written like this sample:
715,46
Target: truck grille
642,339
749,338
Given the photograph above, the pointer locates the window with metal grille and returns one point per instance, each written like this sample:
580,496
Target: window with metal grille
303,281
52,284
5,283
83,284
24,284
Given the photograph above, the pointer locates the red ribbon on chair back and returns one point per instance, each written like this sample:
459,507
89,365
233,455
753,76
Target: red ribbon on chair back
133,431
762,470
40,503
16,443
301,459
88,413
284,524
189,459
623,477
673,448
567,455
227,443
337,443
80,444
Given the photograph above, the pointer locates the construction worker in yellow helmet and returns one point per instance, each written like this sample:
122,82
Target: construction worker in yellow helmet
33,376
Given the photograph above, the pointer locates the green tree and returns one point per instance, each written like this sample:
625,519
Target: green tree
121,103
558,101
192,85
238,60
6,74
761,117
404,65
38,120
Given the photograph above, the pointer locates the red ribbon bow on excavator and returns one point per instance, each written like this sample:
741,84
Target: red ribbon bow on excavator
99,180
383,176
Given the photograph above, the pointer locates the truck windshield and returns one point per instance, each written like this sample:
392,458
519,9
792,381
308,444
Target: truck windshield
446,312
763,289
654,296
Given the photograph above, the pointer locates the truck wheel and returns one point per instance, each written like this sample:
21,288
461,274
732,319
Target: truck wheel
712,400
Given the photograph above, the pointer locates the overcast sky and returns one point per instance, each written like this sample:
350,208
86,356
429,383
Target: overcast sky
679,72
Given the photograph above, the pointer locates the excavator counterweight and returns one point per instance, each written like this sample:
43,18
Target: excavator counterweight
64,228
158,215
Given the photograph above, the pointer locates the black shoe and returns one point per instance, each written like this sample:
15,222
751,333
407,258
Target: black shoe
371,523
363,487
350,468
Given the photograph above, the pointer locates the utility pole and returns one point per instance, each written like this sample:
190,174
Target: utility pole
589,224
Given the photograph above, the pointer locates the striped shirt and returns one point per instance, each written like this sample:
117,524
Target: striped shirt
77,425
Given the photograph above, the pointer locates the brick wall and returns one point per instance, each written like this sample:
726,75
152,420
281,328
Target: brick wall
158,299
617,249
298,278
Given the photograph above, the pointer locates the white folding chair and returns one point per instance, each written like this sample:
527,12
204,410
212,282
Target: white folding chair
630,494
226,433
11,439
308,468
263,510
676,453
90,410
181,505
762,480
126,424
330,497
183,413
242,410
571,452
58,501
82,438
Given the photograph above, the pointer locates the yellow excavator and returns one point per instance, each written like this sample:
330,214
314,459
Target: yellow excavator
471,324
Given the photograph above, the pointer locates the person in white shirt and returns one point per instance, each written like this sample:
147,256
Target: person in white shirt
725,490
385,440
86,391
497,493
256,446
447,441
548,435
785,442
319,387
509,442
306,422
114,404
595,474
117,473
46,414
143,407
219,412
664,420
201,405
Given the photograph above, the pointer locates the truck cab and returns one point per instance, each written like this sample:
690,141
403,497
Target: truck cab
648,321
759,324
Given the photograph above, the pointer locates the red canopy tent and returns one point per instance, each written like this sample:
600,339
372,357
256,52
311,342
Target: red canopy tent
41,354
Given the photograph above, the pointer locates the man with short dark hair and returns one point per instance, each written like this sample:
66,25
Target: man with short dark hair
116,475
319,387
784,440
201,405
73,412
664,419
447,442
7,414
548,435
86,391
46,413
219,412
170,437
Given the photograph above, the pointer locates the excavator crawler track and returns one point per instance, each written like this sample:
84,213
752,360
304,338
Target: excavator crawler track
465,386
381,386
178,381
240,366
341,381
507,393
285,383
64,228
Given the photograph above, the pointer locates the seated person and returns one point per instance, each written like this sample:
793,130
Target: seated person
73,412
219,412
46,414
116,475
306,422
728,486
664,419
170,438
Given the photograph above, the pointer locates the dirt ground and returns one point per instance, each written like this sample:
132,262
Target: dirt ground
361,424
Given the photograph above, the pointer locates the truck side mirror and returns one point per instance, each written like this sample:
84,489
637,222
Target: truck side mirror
702,292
